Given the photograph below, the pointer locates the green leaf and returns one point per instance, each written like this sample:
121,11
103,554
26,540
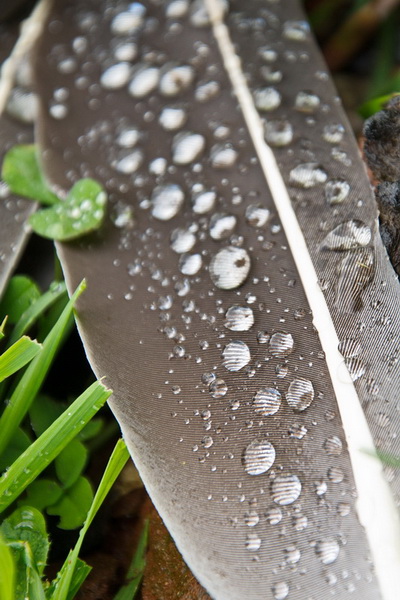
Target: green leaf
27,524
17,356
44,450
56,291
115,465
73,505
7,572
80,573
43,493
20,442
70,463
2,326
21,292
34,375
136,569
22,173
81,212
373,106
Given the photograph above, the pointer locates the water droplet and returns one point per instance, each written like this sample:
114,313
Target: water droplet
125,51
176,9
122,215
116,77
166,201
297,31
281,344
203,202
128,138
144,81
347,236
182,240
223,156
307,175
251,518
278,133
280,590
207,441
239,318
333,134
229,268
236,355
297,431
222,225
129,21
307,102
207,378
22,105
187,147
129,163
267,401
343,509
253,542
300,394
349,348
273,515
190,264
218,388
356,271
258,457
333,446
292,555
176,80
335,474
172,118
256,215
270,74
267,99
158,166
263,337
355,367
336,191
327,550
320,487
300,522
206,91
285,489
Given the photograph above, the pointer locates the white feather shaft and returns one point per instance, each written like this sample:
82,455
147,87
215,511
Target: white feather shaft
376,507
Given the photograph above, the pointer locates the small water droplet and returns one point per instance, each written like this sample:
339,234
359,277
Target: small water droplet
300,522
229,268
207,91
187,147
281,344
280,590
253,542
223,156
333,446
256,215
349,348
335,474
176,80
307,102
222,226
267,401
182,240
116,76
207,441
327,550
190,264
307,175
355,367
292,555
297,431
343,509
273,515
258,457
263,337
251,518
236,355
285,489
144,81
333,134
129,21
336,191
203,202
129,163
347,236
300,394
218,388
239,318
172,118
297,31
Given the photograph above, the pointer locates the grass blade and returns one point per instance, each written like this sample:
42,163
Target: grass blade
17,356
7,572
135,572
115,465
29,317
33,377
38,456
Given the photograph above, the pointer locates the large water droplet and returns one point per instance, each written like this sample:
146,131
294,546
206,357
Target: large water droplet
129,21
336,191
347,236
285,489
203,202
355,367
300,394
356,271
187,147
182,240
267,99
239,318
278,133
116,77
327,550
307,175
335,474
229,268
349,348
258,457
144,81
281,344
166,201
236,355
172,118
280,590
267,401
222,226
